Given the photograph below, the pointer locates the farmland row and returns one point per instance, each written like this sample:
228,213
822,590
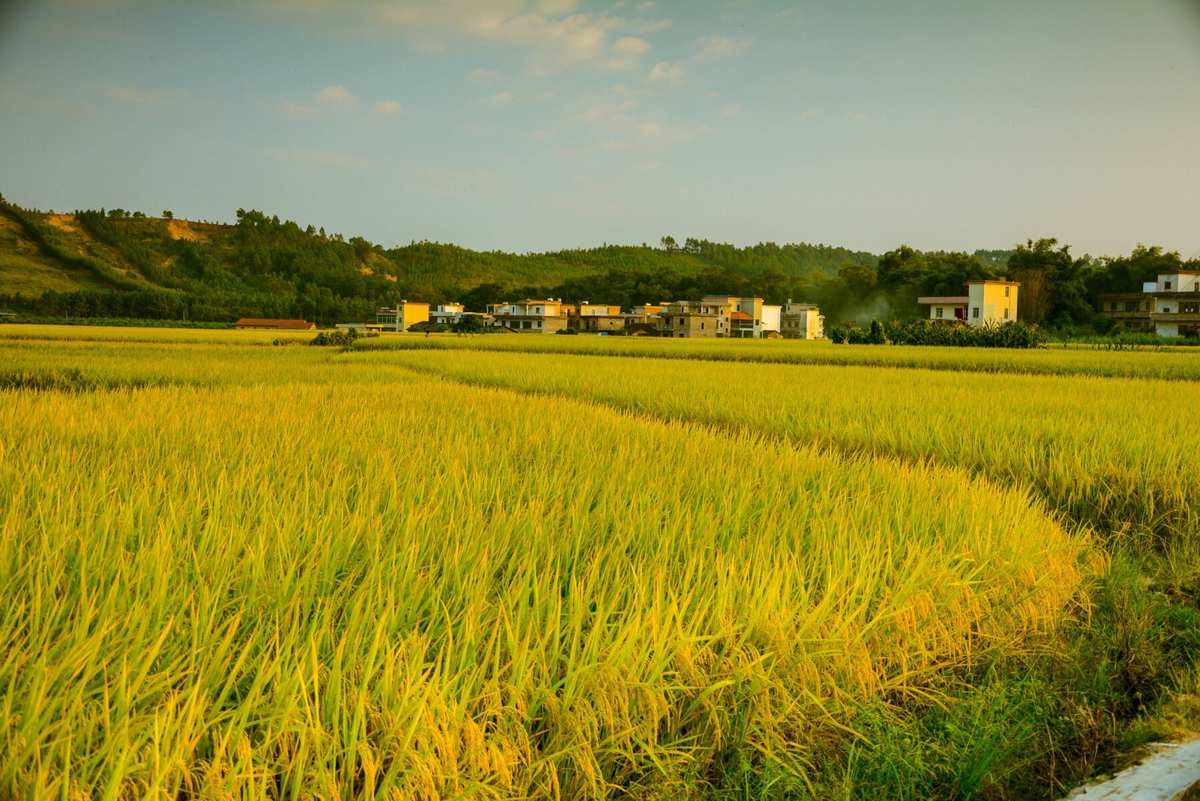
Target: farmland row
1116,454
1178,364
404,587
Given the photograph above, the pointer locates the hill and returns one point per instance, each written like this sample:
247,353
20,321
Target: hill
117,263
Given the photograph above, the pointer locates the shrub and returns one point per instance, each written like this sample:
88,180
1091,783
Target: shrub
928,332
341,338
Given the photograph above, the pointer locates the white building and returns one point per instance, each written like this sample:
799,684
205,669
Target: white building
1176,310
771,320
447,314
801,321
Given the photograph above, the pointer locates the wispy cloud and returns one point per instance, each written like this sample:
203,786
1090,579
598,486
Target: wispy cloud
710,47
133,95
387,107
481,74
556,32
322,158
666,72
336,95
627,52
498,100
331,98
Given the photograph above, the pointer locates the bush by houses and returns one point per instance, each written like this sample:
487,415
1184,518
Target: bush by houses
927,332
338,339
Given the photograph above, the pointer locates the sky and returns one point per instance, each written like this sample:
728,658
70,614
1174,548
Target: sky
542,124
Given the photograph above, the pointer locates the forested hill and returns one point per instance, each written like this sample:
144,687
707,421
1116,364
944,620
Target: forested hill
113,263
138,265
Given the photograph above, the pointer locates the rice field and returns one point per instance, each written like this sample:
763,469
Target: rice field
232,570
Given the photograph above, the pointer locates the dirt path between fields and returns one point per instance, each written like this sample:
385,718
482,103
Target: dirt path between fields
1164,775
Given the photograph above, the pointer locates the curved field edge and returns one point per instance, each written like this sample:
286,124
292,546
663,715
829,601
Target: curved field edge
1162,364
1107,454
244,599
1157,364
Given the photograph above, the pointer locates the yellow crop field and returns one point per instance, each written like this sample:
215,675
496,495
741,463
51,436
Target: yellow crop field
1112,453
232,570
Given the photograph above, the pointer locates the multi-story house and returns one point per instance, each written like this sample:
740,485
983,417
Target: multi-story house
447,314
402,317
986,302
686,318
596,317
1131,310
802,321
748,317
1176,311
532,316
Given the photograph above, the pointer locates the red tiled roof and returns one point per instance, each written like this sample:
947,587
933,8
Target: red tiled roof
262,322
740,315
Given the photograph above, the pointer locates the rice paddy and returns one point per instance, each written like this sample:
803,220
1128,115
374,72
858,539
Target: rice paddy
239,571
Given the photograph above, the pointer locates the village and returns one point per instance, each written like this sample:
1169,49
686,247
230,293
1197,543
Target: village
986,302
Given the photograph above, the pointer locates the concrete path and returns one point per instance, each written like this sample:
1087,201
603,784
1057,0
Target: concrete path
1170,769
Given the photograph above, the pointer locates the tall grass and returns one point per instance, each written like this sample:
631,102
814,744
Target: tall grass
406,588
1160,363
1180,364
1116,454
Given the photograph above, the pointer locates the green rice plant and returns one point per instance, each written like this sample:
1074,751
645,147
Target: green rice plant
285,586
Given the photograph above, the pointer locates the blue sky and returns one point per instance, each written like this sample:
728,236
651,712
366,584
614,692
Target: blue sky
538,124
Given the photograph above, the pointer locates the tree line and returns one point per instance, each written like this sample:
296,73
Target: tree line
262,266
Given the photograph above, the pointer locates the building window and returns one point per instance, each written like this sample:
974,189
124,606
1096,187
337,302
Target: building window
938,312
975,312
1167,285
1006,314
1006,291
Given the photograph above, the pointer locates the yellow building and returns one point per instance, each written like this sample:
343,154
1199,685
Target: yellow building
987,302
597,310
402,317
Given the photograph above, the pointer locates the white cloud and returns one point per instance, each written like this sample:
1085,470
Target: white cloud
336,95
387,107
322,158
608,112
483,74
627,52
710,47
133,95
558,34
666,72
556,7
630,46
647,6
498,100
333,97
731,110
647,27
